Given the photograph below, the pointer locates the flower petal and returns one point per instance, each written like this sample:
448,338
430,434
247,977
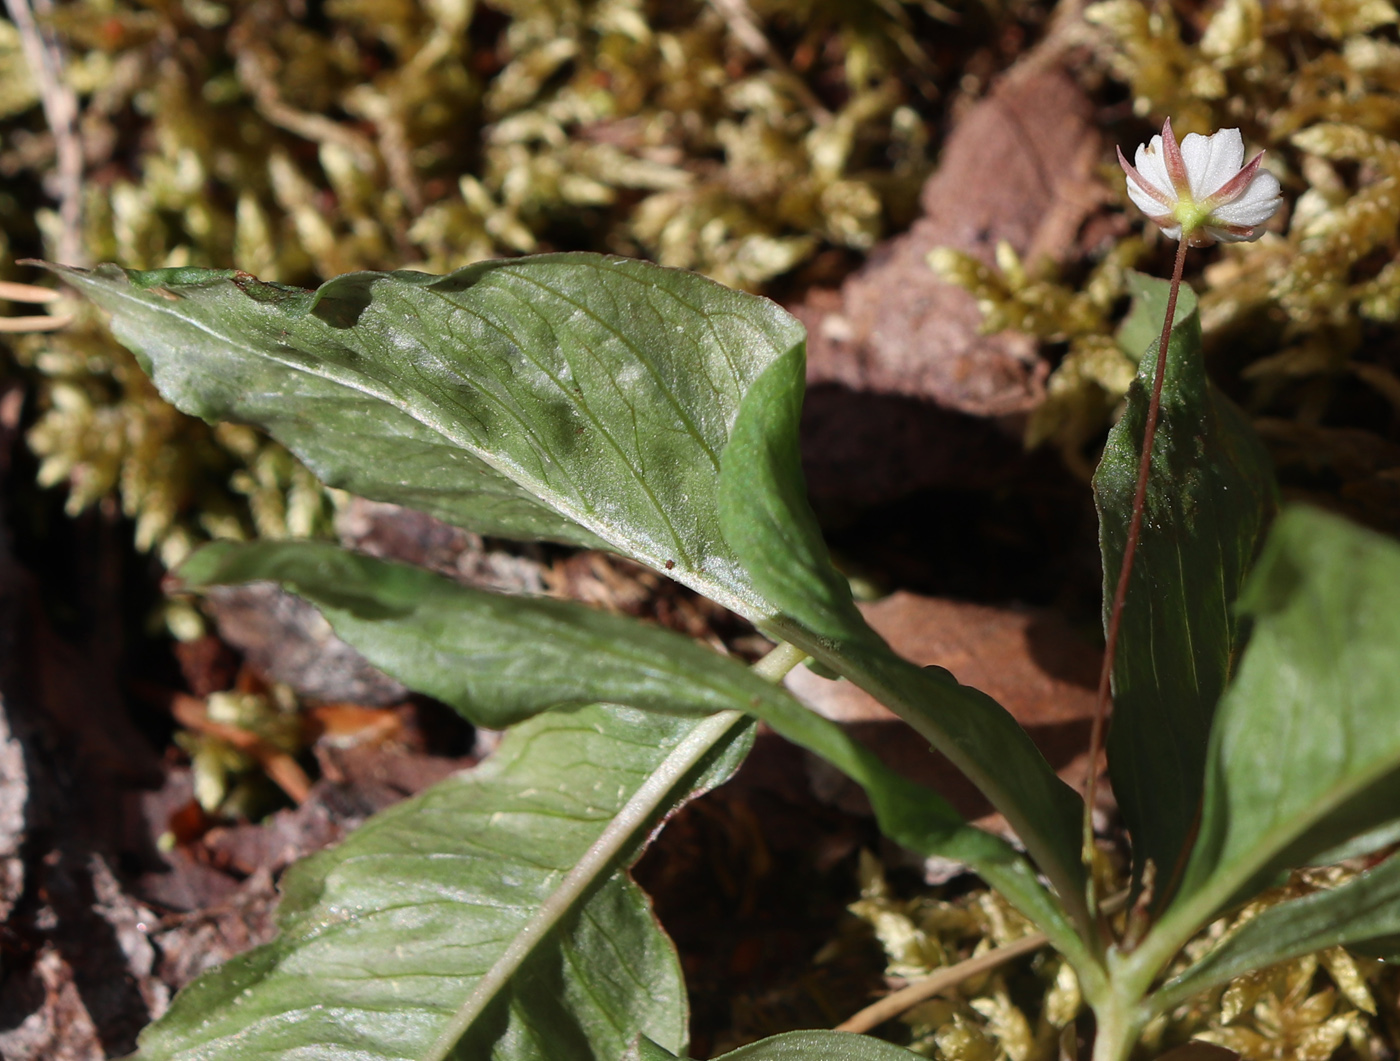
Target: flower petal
1236,186
1148,202
1151,201
1153,167
1211,160
1256,204
1175,164
1232,234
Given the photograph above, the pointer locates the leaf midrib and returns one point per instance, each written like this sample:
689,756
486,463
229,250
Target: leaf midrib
634,815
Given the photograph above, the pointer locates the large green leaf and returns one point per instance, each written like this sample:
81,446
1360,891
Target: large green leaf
1363,910
566,396
1209,497
497,659
1305,753
576,397
766,518
797,1046
385,938
477,648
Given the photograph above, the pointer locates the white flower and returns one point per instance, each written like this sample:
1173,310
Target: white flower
1201,188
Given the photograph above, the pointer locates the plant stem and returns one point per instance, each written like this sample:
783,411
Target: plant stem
1120,595
775,665
1117,1027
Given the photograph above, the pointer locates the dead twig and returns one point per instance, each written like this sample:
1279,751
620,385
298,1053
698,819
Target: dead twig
34,324
906,998
13,292
254,66
285,771
60,103
744,25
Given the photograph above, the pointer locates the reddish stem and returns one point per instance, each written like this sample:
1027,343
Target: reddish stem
1120,595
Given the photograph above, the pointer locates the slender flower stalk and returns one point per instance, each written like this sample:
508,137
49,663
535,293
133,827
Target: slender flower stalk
1198,192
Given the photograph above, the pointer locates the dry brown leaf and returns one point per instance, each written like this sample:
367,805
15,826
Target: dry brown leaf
1028,659
1019,167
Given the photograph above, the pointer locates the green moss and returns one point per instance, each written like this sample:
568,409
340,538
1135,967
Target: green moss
384,134
1328,1005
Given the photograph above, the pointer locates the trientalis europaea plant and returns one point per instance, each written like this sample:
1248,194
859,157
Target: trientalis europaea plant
613,404
1198,192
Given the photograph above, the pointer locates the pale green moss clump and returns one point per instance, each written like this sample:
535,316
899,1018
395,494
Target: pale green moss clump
429,136
106,431
986,1016
1310,1009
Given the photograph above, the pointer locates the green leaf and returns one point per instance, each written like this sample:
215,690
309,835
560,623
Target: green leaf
1382,948
575,397
796,1046
385,937
1305,753
1142,326
567,396
819,1046
497,659
1364,910
1209,498
1360,845
766,518
646,1050
477,648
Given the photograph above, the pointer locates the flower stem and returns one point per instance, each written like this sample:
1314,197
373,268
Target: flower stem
1120,595
1117,1031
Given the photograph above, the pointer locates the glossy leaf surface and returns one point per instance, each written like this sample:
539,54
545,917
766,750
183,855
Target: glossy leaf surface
568,396
765,515
798,1046
481,646
496,658
1305,753
576,397
1209,498
385,936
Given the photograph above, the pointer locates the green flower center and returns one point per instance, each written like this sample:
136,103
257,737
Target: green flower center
1191,214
